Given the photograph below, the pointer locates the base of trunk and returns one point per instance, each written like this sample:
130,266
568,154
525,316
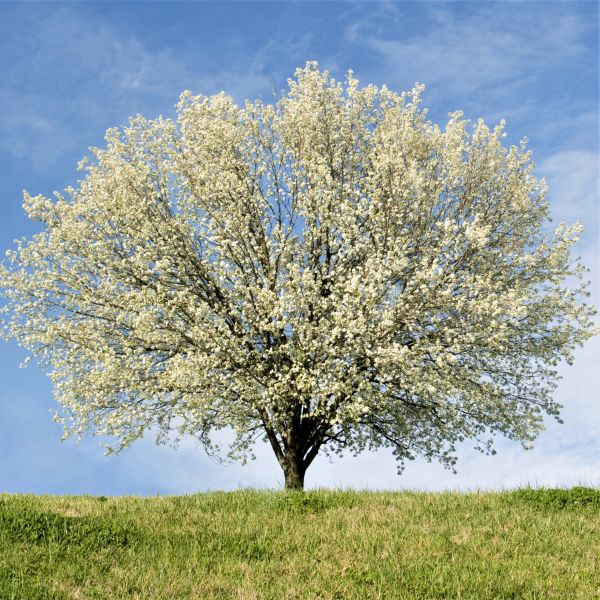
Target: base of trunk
294,479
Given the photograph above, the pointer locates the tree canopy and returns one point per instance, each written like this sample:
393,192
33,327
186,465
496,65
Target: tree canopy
330,272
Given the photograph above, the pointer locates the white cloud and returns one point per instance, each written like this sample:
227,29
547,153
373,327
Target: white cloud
79,75
573,178
84,75
486,48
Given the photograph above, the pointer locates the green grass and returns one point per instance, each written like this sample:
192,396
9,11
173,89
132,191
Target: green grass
323,545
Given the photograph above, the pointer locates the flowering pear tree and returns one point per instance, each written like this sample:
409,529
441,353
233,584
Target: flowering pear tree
329,273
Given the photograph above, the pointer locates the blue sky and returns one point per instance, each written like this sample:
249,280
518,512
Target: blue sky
71,70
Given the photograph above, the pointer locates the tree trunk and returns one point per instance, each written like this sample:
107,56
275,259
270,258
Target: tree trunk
295,448
294,476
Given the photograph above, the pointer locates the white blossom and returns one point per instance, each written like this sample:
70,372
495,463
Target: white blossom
333,272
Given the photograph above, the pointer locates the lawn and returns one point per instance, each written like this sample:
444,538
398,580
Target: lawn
320,544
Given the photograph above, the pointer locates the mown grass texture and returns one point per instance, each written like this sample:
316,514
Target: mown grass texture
320,544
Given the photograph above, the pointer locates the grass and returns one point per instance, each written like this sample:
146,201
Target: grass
324,545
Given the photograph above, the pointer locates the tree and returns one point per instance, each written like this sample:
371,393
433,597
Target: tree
332,272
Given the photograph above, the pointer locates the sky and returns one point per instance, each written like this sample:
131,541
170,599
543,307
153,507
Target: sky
72,70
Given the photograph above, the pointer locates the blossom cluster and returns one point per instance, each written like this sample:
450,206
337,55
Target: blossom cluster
331,272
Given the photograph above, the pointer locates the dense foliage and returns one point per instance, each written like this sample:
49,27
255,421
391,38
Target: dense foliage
332,272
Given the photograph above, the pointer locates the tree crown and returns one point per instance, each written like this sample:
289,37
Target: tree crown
330,272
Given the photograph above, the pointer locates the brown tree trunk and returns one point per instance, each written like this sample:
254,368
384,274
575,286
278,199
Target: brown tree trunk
294,476
295,448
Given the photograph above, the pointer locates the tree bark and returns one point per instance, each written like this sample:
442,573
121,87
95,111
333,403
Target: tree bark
294,475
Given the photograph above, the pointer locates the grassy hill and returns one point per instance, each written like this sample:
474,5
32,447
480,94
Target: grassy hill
323,545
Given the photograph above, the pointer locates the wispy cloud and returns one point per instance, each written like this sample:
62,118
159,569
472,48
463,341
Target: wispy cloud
470,50
573,178
69,77
75,74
